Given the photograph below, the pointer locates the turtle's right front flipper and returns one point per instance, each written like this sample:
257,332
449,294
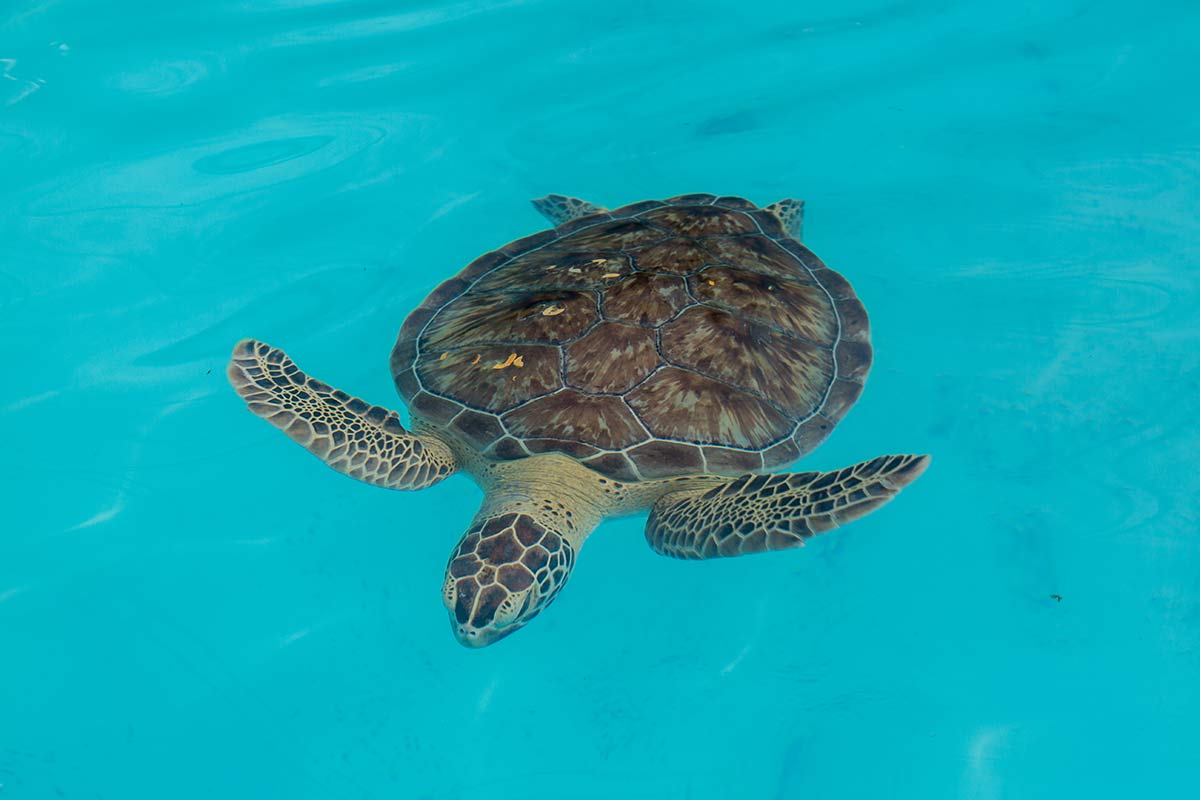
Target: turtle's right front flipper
756,513
354,437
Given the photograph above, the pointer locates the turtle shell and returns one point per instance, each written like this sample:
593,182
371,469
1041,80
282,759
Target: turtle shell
675,337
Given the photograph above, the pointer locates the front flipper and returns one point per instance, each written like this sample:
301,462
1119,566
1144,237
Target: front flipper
560,209
756,513
354,437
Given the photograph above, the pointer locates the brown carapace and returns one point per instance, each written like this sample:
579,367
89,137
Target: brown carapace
659,339
662,356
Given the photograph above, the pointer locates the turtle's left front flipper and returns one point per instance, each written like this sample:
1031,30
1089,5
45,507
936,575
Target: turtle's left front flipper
354,437
756,513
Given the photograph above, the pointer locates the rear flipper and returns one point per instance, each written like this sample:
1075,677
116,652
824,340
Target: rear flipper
354,437
560,209
791,213
756,513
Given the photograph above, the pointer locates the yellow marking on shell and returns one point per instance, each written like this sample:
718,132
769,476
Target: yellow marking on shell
599,260
611,275
443,357
552,311
576,270
512,357
476,361
552,266
519,362
712,283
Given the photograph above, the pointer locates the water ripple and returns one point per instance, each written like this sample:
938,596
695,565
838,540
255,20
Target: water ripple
390,23
260,155
13,87
363,74
274,151
163,78
334,294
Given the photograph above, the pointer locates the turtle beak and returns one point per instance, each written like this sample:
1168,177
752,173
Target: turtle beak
470,636
475,621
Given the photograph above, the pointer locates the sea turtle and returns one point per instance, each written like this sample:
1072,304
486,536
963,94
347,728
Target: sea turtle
666,355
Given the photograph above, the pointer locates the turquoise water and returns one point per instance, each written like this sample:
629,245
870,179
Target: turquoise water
192,607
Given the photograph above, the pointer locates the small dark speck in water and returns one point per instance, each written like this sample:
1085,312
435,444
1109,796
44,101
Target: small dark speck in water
1057,598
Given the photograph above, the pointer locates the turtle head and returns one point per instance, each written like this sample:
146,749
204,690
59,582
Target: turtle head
506,569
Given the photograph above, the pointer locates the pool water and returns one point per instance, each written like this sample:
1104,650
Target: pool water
192,607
